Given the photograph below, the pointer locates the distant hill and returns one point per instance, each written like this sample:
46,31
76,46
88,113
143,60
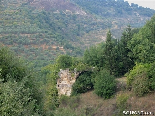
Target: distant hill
39,30
113,8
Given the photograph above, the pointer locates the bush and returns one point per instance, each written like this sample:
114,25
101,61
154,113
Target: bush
15,99
11,66
151,75
138,79
137,70
64,61
82,84
104,84
140,85
19,93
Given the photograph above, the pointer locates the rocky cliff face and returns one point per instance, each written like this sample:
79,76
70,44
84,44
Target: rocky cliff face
66,80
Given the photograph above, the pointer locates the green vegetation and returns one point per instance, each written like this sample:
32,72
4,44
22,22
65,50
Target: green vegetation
83,83
104,84
120,7
54,39
12,67
109,52
138,70
39,35
16,99
94,55
98,68
64,61
19,94
121,103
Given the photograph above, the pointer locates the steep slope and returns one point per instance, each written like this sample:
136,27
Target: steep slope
39,30
53,5
113,8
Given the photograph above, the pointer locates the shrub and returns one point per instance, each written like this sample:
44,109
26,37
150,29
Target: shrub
11,66
64,61
18,86
151,75
104,84
137,70
140,85
15,99
138,79
82,84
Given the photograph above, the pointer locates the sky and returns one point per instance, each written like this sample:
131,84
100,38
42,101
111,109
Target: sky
144,3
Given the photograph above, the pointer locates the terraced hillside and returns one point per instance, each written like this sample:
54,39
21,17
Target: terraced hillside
39,30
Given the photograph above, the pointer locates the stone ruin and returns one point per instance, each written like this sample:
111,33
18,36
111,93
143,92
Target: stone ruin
66,80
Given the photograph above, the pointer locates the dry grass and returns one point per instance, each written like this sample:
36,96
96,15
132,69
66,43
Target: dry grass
121,84
123,79
146,103
90,98
97,106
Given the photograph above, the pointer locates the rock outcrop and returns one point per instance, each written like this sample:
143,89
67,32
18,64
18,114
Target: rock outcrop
66,80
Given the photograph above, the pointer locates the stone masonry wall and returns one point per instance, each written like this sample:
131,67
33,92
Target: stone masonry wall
65,82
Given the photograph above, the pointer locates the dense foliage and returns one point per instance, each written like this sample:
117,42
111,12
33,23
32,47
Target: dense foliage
83,83
141,47
19,94
94,55
109,53
119,7
113,55
16,99
104,84
142,44
138,79
12,67
64,61
40,34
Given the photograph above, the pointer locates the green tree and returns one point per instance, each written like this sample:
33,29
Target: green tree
64,61
94,56
51,99
19,93
104,84
125,63
140,85
109,53
142,44
16,100
11,66
83,83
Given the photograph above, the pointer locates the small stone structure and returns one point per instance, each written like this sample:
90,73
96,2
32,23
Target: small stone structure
66,80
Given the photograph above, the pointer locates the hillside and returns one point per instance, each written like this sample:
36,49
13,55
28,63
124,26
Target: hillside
56,56
90,104
39,30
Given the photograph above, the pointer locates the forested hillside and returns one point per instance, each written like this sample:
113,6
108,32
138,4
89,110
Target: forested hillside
132,56
98,90
119,8
40,30
100,41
